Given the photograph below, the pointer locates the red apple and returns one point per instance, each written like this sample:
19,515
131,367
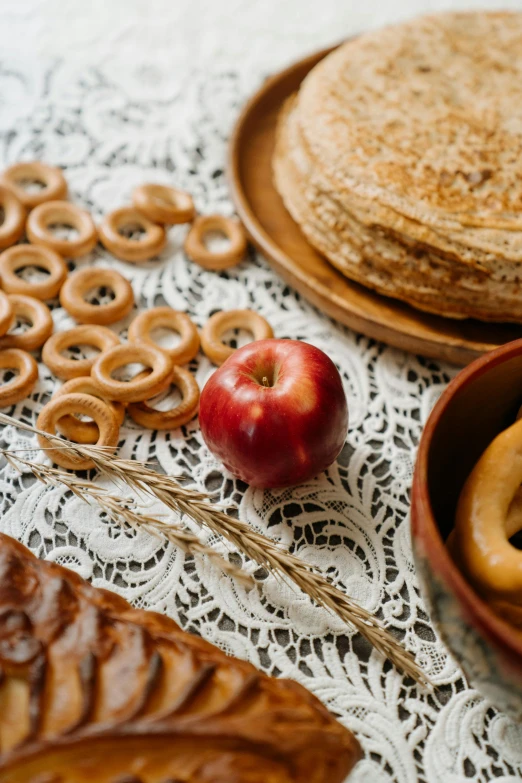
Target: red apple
275,413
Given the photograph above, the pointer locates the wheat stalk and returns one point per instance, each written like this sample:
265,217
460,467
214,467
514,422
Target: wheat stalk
255,546
121,509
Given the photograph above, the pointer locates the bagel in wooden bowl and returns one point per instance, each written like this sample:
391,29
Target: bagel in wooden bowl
480,403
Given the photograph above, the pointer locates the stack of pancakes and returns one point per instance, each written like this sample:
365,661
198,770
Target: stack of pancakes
401,160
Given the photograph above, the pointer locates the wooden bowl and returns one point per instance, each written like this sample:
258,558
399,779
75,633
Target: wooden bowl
480,402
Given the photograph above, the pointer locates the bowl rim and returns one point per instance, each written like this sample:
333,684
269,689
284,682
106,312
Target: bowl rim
424,526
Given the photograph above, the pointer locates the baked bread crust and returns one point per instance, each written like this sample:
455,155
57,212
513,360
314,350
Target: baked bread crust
92,689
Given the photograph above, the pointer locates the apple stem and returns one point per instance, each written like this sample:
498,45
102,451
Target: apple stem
265,381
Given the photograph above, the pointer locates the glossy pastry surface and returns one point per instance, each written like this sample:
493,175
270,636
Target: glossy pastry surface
93,689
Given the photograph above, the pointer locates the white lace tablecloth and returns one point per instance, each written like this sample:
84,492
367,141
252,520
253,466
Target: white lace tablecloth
120,93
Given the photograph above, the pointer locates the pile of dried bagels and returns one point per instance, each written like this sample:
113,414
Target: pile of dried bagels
90,388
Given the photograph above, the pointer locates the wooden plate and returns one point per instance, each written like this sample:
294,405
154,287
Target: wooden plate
275,233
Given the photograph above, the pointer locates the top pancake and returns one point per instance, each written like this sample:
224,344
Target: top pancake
426,119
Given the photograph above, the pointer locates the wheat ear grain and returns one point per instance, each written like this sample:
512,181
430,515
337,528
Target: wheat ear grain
255,546
121,509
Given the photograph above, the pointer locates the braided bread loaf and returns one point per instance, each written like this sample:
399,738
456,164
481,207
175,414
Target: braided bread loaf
94,691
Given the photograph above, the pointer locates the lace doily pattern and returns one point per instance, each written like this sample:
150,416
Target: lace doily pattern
110,134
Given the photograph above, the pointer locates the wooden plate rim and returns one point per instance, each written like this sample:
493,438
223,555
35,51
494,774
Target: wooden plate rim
454,349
